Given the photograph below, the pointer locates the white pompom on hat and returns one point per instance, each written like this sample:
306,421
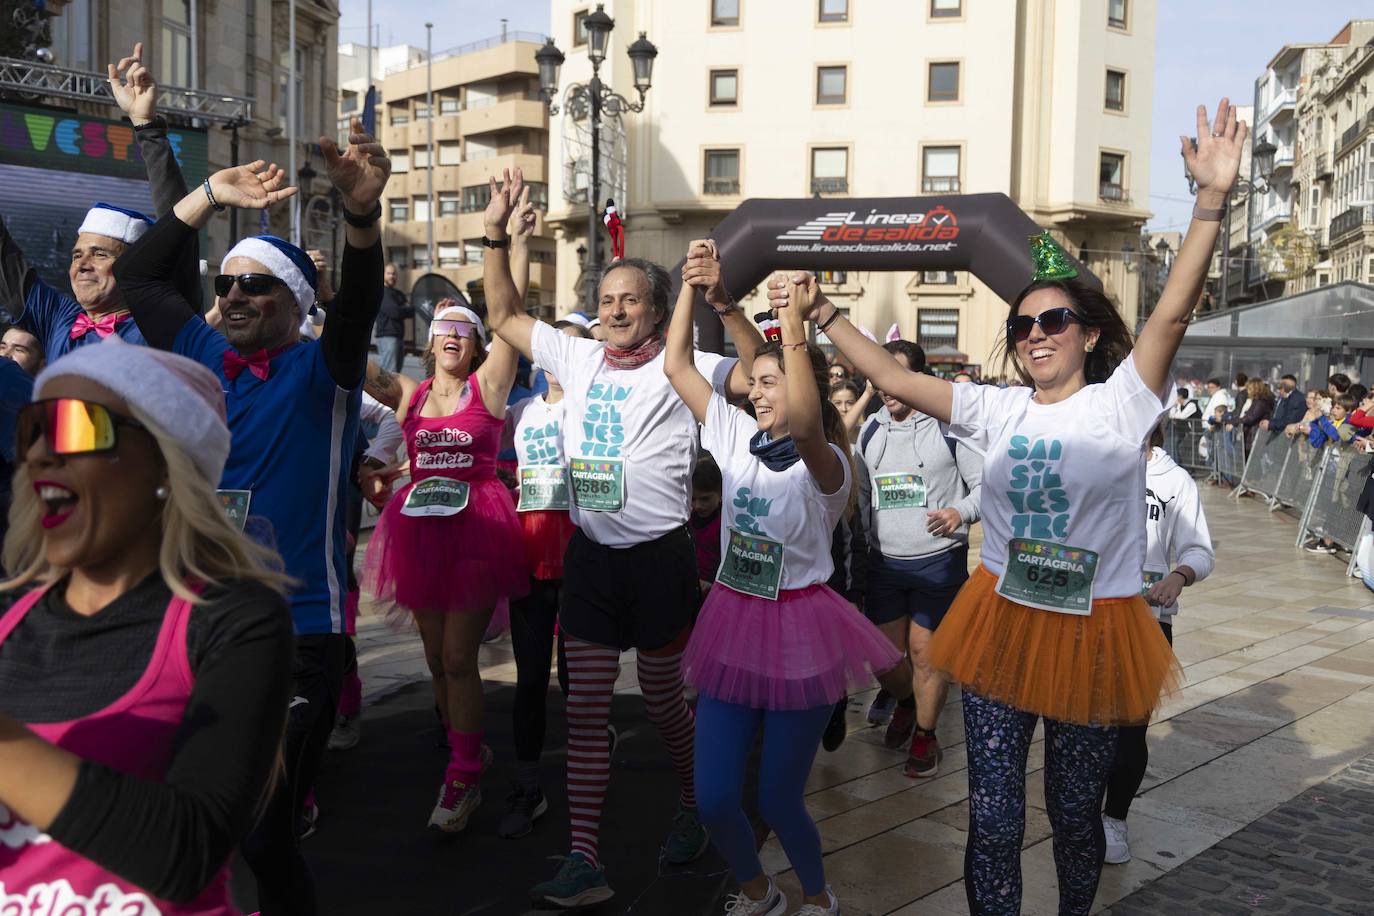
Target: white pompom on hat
180,397
117,223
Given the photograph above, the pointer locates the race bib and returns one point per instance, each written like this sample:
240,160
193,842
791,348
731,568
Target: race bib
543,486
236,503
436,496
598,484
900,491
1049,576
752,565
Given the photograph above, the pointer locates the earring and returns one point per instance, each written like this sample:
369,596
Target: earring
1090,347
161,492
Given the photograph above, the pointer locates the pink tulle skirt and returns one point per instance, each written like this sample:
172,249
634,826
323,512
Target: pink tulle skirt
809,648
547,533
463,562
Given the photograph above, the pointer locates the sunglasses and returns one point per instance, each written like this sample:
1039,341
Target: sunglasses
250,284
1051,321
69,426
443,327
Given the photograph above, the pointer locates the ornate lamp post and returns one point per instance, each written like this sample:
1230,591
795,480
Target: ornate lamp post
591,99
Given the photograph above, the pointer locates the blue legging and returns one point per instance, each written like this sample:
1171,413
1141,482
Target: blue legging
1077,760
725,736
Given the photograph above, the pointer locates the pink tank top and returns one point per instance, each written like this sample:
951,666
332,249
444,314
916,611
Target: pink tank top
461,446
134,735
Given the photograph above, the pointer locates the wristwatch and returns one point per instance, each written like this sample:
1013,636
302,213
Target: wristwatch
496,243
365,220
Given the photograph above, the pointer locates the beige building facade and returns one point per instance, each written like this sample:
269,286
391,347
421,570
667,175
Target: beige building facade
1046,102
487,118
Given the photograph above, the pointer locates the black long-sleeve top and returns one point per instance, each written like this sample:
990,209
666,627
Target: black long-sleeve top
170,837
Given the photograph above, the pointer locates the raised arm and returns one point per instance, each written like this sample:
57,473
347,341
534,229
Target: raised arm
702,271
856,413
926,393
521,227
506,313
679,363
804,422
1213,164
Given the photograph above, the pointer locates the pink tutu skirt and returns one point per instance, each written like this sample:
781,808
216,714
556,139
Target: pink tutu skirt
809,648
547,533
463,562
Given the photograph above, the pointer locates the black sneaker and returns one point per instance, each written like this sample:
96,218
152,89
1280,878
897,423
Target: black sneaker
523,808
836,730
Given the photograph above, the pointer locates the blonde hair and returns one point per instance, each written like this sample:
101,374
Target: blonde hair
199,543
1257,388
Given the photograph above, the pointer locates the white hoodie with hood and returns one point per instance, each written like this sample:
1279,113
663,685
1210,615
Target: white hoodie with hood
1175,529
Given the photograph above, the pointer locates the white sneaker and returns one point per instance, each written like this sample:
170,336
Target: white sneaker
457,801
1118,845
811,909
774,903
348,731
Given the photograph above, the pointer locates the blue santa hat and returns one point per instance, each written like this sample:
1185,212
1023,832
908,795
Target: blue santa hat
284,261
114,222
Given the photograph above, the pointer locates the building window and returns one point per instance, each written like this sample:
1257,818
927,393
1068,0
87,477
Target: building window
940,170
831,88
348,102
449,104
448,204
942,278
422,209
71,35
175,63
475,198
400,162
398,210
725,12
398,114
420,157
830,170
946,9
1314,208
539,195
450,254
250,50
580,28
834,10
419,256
421,111
722,172
943,85
1112,177
1116,14
472,251
937,327
1116,91
283,101
724,88
450,152
398,257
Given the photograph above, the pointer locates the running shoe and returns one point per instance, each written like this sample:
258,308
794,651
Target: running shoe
880,711
687,840
348,731
1118,843
836,729
774,903
458,800
924,759
578,883
523,808
309,822
900,728
813,909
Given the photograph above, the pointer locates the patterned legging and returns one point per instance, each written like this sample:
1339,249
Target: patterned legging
1077,760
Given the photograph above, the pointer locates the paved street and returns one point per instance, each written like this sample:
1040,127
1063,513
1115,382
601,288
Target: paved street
1250,803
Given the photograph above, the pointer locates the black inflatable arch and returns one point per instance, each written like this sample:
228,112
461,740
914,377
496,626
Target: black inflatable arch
985,234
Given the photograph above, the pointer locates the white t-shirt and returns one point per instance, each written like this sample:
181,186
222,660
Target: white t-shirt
1070,472
538,431
634,416
786,506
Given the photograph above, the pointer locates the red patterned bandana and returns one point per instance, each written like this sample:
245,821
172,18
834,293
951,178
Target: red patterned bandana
636,356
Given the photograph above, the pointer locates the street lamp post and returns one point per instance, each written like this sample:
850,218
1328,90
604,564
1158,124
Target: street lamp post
594,97
1261,171
429,145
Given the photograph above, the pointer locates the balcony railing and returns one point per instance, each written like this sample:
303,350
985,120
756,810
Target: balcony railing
940,185
1350,221
1110,191
480,45
1282,99
1324,165
720,186
829,185
1353,132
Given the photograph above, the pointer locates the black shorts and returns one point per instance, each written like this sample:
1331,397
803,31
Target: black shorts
637,597
920,590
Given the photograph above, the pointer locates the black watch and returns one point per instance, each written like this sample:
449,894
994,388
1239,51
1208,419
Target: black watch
496,243
365,221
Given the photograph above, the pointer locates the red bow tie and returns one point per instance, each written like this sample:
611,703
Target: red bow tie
104,325
259,363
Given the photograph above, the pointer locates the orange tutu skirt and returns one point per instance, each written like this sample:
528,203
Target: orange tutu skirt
1108,668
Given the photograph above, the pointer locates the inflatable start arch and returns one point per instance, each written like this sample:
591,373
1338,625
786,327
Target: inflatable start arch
985,234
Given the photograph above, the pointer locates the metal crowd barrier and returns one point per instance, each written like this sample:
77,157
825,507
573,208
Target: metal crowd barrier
1331,512
1188,442
1269,453
1228,446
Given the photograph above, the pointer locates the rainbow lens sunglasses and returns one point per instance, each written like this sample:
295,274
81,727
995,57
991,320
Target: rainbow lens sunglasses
251,284
1051,321
69,426
443,327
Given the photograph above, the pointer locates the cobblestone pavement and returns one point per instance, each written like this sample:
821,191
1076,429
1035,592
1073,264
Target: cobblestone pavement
1309,857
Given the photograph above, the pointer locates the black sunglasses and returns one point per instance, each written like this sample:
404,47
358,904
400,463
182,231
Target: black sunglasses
251,284
1051,321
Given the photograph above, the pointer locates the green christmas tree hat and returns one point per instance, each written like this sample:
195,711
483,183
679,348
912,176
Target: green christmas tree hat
1051,260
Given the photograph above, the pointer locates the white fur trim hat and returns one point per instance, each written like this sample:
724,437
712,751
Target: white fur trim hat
577,318
181,398
286,262
114,222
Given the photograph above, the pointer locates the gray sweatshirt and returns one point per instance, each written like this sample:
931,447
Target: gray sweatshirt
953,480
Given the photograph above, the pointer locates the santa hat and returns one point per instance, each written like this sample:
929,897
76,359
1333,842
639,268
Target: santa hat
126,226
284,261
770,326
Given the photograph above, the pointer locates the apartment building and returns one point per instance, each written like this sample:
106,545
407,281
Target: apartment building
1046,102
487,117
353,74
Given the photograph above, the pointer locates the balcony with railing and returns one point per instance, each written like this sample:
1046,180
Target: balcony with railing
1352,134
829,185
1281,105
932,184
1283,158
1350,222
724,186
1324,169
1111,191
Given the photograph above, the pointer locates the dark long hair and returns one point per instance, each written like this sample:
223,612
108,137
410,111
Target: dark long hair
1114,340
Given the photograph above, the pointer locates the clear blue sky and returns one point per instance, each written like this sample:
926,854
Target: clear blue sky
1204,49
